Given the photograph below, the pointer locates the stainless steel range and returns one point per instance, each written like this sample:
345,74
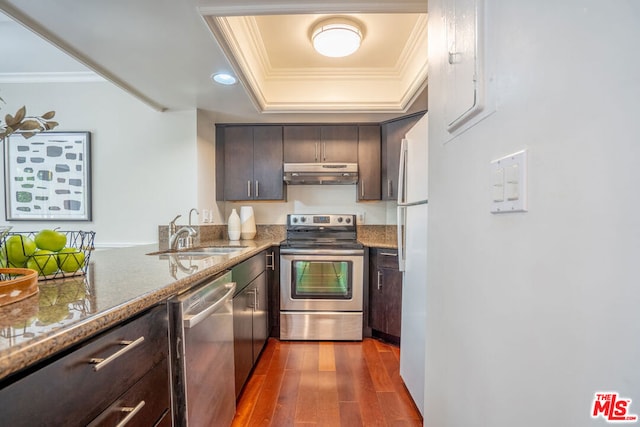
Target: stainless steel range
321,279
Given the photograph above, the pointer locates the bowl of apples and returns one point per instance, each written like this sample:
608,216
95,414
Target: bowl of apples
51,253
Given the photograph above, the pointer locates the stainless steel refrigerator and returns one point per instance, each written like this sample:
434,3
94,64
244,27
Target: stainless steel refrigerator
412,256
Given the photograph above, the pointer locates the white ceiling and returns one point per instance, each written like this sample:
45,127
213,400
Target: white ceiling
163,52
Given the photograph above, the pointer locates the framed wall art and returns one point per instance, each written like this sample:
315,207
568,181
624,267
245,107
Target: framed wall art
48,177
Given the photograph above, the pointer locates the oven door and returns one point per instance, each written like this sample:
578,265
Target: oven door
321,279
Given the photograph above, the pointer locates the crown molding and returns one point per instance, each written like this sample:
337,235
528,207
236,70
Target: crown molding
295,7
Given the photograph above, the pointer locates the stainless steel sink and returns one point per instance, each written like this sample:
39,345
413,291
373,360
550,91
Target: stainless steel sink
203,252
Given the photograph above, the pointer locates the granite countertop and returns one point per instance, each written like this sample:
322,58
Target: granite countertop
119,284
378,236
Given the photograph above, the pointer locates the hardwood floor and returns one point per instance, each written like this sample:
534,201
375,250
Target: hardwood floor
306,384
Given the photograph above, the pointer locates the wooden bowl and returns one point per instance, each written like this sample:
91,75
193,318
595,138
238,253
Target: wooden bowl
19,288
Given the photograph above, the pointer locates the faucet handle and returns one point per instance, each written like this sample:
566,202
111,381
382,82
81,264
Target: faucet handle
172,224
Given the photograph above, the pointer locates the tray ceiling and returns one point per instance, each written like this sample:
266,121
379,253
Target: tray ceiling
275,60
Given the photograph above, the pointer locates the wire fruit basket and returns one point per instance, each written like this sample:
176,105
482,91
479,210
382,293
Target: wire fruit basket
19,250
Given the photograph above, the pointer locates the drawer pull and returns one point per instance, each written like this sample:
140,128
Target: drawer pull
379,280
132,413
388,254
100,363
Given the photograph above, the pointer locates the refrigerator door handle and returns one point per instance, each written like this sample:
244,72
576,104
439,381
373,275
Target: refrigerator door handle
402,173
402,219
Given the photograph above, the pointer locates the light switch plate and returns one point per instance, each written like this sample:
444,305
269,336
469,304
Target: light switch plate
513,169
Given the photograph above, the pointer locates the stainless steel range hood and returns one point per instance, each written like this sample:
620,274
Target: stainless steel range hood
320,173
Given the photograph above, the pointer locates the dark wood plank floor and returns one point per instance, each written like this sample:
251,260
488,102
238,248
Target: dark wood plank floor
327,384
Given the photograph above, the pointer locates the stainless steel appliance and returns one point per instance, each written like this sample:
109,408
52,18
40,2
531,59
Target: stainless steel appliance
320,173
321,279
201,352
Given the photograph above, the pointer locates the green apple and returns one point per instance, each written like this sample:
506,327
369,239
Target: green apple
50,240
18,249
43,261
70,259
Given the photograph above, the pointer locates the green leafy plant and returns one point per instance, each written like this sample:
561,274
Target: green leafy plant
26,126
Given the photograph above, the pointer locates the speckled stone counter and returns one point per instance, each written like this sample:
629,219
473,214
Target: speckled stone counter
378,236
119,284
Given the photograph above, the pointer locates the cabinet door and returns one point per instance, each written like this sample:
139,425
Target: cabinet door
243,336
392,135
238,160
392,294
301,144
268,172
385,292
339,144
273,285
369,163
260,315
377,304
143,404
70,391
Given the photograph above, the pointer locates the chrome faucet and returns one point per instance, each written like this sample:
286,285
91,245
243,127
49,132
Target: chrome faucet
190,212
177,242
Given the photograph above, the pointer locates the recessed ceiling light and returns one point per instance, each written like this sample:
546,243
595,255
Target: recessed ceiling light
336,37
224,79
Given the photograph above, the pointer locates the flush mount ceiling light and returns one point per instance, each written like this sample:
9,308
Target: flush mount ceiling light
224,79
336,37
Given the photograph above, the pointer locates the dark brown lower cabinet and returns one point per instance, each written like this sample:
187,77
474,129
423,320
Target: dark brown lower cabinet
385,292
250,315
76,389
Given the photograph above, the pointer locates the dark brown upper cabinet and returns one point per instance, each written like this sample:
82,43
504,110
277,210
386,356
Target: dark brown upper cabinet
252,163
321,144
392,134
369,163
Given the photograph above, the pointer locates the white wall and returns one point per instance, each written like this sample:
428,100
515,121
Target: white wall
530,314
330,199
142,160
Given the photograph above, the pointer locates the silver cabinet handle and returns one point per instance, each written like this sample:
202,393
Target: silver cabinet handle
388,254
315,154
389,188
100,363
324,151
256,300
379,280
362,189
132,413
257,190
248,188
252,305
271,265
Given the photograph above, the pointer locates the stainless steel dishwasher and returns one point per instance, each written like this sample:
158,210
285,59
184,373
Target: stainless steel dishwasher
201,351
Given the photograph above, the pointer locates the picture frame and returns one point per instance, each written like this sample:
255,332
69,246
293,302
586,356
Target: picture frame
48,177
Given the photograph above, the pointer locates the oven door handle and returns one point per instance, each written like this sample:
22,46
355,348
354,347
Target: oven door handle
321,251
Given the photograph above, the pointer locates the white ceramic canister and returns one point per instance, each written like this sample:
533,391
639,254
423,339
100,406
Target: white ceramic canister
233,225
248,223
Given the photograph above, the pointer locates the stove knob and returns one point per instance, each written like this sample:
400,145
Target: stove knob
295,219
303,219
339,219
348,220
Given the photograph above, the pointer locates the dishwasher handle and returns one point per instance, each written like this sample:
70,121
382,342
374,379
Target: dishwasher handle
192,320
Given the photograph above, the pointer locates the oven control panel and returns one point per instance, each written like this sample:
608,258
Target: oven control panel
321,220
